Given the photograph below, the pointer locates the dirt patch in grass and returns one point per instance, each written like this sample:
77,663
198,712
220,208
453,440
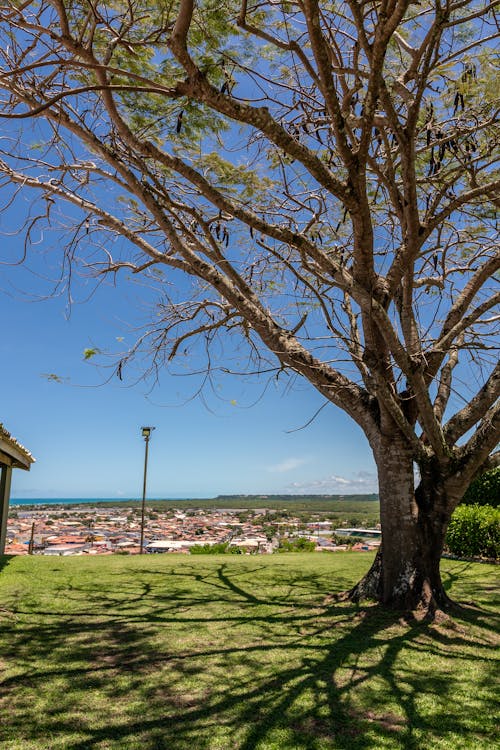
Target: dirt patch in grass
388,721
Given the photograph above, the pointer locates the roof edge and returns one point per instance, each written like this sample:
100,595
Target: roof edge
21,455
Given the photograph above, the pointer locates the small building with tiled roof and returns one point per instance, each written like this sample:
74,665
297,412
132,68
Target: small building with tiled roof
13,455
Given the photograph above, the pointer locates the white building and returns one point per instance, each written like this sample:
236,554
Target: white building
64,550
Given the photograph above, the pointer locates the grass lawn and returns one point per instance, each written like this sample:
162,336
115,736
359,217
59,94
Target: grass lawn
236,653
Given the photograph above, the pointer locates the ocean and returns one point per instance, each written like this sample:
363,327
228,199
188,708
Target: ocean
75,500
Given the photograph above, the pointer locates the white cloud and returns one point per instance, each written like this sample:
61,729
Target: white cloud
339,480
363,482
288,464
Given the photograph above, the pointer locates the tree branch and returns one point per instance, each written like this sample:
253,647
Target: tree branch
467,417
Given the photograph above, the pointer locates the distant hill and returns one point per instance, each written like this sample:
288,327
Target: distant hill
298,498
342,506
348,506
291,503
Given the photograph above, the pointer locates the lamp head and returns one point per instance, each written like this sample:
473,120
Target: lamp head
146,431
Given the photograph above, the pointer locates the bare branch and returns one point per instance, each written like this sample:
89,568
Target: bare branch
467,417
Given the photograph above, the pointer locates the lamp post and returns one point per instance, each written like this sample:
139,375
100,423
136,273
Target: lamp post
146,434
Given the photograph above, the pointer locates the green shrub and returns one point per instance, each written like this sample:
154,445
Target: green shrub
349,540
209,549
298,544
474,531
485,490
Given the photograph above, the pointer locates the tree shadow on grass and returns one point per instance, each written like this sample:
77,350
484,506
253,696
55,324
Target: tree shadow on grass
5,560
473,596
214,659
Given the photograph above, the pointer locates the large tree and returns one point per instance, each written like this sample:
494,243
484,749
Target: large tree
324,175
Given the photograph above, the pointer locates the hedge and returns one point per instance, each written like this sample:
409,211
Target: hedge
485,490
474,531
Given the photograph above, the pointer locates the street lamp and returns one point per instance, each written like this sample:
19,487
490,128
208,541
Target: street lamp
146,434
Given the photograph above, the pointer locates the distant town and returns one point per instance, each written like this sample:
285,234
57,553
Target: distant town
110,529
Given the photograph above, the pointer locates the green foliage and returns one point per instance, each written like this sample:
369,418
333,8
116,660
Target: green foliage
485,490
300,544
89,353
349,540
209,549
474,531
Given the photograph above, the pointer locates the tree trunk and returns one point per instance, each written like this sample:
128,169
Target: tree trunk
405,573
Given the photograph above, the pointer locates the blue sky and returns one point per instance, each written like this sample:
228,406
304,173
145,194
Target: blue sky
85,432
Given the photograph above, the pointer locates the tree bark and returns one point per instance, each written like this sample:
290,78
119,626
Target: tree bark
406,571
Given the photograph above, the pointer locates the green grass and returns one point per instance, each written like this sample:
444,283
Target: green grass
236,653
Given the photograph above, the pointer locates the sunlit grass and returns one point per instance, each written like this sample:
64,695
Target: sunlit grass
236,653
